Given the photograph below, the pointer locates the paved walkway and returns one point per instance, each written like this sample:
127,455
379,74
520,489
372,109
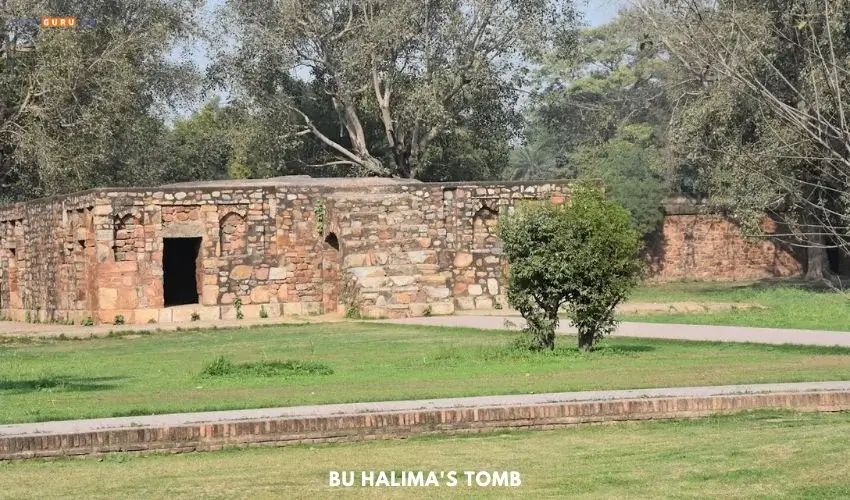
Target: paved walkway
488,322
47,330
655,330
176,419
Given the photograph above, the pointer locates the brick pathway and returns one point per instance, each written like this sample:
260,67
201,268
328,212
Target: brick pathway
177,419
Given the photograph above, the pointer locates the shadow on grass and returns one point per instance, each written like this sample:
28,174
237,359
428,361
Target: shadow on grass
59,384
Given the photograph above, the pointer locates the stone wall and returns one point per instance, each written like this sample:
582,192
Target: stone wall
694,245
303,246
278,247
428,248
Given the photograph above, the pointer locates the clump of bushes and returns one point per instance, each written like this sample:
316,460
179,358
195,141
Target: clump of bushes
222,366
582,255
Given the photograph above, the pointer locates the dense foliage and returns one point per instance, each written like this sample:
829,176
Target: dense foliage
582,255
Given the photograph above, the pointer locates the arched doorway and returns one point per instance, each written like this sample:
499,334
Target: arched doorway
331,263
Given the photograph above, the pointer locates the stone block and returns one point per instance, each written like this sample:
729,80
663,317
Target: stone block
483,303
464,303
403,280
292,308
165,315
144,316
107,298
475,290
372,282
435,292
463,260
210,295
357,260
493,286
277,273
252,311
422,257
442,308
260,295
241,272
309,308
368,272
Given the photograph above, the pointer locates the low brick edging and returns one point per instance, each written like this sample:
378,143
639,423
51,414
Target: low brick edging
400,424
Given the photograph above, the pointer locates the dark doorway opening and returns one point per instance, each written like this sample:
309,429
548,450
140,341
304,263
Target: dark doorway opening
179,266
331,240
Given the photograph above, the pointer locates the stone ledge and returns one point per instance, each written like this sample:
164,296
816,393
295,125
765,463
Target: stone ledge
400,424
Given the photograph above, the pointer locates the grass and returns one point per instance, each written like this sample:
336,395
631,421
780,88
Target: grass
778,305
162,373
222,367
764,455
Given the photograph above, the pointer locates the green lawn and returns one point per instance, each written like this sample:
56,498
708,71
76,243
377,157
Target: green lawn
162,373
761,455
777,305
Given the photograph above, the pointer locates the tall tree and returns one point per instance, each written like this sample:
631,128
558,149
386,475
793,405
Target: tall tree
203,145
81,107
762,111
601,112
429,73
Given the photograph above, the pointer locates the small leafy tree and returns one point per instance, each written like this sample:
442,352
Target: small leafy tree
584,255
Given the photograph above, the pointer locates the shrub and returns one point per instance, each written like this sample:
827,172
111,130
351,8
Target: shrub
263,313
428,311
119,319
584,254
87,321
219,366
196,316
238,305
222,366
353,313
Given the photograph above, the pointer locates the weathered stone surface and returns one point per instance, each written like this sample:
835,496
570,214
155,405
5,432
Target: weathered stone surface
260,295
462,260
107,298
241,272
395,246
493,286
437,292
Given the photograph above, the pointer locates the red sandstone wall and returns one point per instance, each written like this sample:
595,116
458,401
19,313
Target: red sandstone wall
708,247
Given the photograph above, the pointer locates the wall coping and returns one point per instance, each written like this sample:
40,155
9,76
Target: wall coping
281,186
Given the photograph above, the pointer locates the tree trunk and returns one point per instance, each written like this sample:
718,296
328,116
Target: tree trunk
585,341
817,264
817,260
